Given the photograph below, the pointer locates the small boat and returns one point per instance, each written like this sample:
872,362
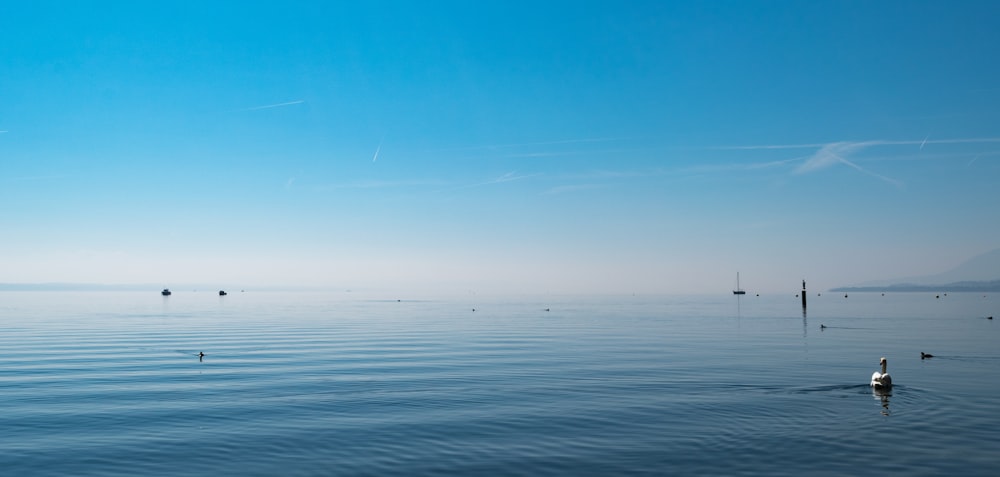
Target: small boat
738,290
165,292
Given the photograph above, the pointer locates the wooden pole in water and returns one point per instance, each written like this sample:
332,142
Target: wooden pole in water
803,295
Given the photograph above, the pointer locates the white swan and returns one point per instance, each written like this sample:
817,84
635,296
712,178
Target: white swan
881,380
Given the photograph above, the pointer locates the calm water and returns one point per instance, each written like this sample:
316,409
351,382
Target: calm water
102,383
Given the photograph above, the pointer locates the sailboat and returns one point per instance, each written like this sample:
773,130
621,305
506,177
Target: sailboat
738,290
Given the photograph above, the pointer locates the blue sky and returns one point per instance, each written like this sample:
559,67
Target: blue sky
542,147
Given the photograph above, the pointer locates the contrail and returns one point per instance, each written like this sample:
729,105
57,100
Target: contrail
543,143
835,153
377,149
866,171
269,106
508,177
773,146
922,143
875,142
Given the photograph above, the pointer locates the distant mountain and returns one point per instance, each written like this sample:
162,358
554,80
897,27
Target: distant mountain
978,274
990,286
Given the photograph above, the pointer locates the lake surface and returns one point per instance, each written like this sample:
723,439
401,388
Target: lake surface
301,384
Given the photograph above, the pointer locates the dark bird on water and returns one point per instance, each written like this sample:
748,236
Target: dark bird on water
201,356
925,355
822,326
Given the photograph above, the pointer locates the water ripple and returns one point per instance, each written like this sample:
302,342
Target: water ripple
422,388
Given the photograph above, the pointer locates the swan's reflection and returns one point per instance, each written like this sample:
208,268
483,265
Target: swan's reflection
883,395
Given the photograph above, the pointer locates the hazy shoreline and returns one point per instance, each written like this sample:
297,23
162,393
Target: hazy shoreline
991,286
